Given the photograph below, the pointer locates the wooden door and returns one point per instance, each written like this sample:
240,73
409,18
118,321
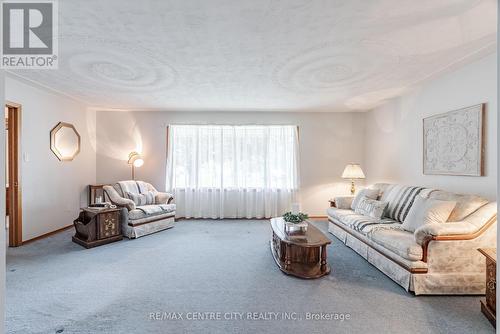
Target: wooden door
13,192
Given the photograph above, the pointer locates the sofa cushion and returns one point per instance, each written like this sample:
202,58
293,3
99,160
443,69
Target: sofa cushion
382,187
343,202
399,200
150,210
339,214
147,198
136,214
128,187
357,222
427,211
370,207
143,187
397,241
365,193
466,204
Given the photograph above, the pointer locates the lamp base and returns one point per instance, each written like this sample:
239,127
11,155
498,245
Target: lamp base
353,189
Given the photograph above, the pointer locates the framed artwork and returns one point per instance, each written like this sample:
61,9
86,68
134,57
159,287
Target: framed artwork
454,142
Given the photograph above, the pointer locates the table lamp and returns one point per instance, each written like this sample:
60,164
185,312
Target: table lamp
352,172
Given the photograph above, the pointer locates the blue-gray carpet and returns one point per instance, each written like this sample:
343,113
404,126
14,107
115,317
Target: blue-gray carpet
56,286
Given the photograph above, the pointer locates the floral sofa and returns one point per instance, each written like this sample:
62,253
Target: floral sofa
144,209
436,258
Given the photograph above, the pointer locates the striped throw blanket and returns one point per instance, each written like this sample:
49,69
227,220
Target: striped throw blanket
400,199
365,226
360,223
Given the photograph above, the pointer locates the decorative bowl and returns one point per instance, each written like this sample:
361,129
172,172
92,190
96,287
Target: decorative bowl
295,228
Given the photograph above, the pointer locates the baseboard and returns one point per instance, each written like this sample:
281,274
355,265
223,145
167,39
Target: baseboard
47,234
182,218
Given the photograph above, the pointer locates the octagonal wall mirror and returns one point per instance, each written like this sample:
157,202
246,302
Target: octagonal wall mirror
65,141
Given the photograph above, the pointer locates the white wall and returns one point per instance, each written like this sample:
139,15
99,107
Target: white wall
52,191
389,147
328,141
393,141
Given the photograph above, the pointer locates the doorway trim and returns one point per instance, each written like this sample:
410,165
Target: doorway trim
15,193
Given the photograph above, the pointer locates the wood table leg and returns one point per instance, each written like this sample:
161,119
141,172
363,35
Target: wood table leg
288,261
323,258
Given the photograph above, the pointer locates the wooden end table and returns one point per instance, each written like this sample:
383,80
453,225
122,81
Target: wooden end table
302,256
488,307
96,227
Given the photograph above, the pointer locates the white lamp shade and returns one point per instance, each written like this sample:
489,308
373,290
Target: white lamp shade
138,162
135,159
353,171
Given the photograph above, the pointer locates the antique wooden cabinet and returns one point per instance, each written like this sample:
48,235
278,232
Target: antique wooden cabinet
489,307
95,227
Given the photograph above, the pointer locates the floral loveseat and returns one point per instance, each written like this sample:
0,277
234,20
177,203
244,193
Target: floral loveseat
144,209
436,258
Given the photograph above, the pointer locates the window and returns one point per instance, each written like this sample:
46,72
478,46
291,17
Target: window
230,159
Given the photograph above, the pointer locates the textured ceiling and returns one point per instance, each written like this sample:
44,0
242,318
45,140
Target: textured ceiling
217,55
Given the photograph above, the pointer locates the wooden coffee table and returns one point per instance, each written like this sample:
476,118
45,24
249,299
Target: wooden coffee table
303,256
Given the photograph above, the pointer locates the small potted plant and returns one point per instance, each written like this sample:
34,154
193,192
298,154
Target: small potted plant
295,223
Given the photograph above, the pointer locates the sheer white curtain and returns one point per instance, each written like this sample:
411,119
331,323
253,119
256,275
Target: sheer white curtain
222,171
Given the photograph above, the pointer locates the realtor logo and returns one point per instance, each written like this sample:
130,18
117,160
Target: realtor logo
29,34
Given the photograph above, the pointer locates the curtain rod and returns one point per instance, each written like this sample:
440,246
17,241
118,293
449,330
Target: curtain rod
216,124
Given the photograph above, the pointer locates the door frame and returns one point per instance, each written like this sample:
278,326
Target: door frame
13,169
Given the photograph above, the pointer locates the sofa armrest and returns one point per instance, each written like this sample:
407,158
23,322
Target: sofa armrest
117,199
163,198
343,202
471,227
423,233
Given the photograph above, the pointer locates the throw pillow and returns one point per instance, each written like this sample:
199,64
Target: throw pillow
147,198
139,199
370,207
343,202
368,193
400,199
427,211
466,204
150,197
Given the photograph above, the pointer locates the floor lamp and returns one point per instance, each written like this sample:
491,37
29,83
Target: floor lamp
136,160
